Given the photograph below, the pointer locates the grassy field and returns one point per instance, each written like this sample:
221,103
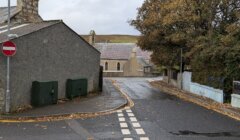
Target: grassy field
113,38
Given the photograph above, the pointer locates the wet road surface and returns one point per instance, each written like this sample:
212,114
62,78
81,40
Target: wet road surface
165,117
155,116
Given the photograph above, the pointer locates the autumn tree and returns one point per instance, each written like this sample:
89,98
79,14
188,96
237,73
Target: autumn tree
215,61
208,29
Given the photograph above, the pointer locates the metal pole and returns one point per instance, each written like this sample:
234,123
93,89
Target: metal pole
181,71
7,96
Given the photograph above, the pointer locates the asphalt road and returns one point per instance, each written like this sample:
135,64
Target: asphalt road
155,116
165,117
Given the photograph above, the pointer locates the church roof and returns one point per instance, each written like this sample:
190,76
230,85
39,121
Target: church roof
120,51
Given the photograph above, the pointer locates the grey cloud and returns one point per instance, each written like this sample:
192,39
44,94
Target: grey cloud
104,16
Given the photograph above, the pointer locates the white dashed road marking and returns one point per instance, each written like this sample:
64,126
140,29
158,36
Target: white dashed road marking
123,125
130,114
135,125
122,119
144,138
128,139
133,119
140,131
126,132
120,114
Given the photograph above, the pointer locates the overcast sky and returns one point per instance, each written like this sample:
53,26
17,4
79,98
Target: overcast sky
104,16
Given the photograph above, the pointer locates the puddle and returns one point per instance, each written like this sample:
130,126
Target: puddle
218,134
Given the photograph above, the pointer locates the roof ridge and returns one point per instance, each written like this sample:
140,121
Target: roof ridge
10,7
45,21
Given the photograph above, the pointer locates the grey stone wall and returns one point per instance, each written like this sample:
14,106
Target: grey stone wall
55,53
113,74
28,11
1,99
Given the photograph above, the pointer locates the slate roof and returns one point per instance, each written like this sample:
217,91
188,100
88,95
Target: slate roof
120,51
4,13
142,61
24,29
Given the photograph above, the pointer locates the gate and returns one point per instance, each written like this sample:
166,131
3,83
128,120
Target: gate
100,84
236,87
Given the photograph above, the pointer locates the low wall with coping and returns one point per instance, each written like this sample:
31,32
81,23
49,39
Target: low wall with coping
202,90
235,100
209,92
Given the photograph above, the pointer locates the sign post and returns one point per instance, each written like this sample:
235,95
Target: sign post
8,49
7,95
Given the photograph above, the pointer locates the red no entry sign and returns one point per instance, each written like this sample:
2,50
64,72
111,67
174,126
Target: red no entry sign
9,48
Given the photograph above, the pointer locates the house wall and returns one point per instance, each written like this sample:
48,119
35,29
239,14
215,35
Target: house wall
133,68
112,68
1,98
112,64
55,53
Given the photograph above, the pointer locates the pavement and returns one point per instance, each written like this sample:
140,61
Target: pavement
109,100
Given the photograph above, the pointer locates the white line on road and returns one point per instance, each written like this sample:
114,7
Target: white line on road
120,115
128,139
130,114
121,119
129,111
140,131
144,138
126,132
123,125
133,119
136,125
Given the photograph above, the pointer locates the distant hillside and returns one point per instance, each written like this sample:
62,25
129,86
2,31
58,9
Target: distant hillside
113,38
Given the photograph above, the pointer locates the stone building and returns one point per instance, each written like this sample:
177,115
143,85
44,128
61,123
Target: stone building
124,59
46,51
25,11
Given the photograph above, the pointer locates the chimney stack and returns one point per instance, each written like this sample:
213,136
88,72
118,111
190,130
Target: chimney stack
134,53
92,37
28,11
